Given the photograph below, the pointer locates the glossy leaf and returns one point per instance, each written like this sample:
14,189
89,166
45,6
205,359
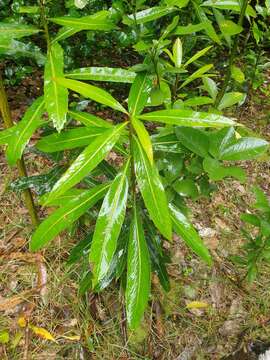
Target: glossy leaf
177,53
138,272
194,139
219,140
187,232
186,187
64,33
244,149
92,92
228,27
86,161
220,19
197,74
98,21
147,15
23,131
217,172
62,218
108,226
55,95
39,183
152,190
189,29
237,74
208,27
198,101
211,87
229,5
197,55
16,31
188,118
144,138
6,135
11,47
69,139
167,143
139,93
230,99
102,74
89,120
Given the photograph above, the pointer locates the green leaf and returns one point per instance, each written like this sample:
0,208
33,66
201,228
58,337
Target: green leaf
4,337
178,3
197,74
16,31
64,33
220,19
152,190
218,172
92,92
189,29
198,101
108,226
139,93
219,140
187,232
11,47
251,219
55,95
138,272
149,14
230,99
210,86
6,135
228,27
63,217
197,55
246,148
23,131
229,5
167,143
237,74
144,138
70,139
186,187
177,53
102,74
188,118
194,139
89,120
98,21
208,27
39,183
262,201
86,161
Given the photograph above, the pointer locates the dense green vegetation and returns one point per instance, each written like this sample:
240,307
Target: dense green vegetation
167,75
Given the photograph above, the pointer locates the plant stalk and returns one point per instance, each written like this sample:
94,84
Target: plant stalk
43,18
232,56
6,115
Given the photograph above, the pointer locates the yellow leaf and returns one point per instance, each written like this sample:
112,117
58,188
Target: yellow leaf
197,305
72,338
43,333
237,135
22,322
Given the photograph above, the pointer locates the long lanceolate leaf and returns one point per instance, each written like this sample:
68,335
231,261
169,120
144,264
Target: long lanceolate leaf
187,232
56,96
92,92
138,272
108,226
16,31
139,93
86,161
65,216
152,190
70,139
150,14
23,131
188,118
102,74
89,119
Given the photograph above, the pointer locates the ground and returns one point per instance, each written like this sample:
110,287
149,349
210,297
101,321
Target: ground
41,289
